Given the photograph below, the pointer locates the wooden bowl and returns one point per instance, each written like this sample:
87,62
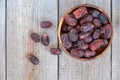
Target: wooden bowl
102,50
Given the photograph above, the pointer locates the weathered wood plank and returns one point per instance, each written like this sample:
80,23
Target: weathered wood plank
71,69
24,16
116,40
2,41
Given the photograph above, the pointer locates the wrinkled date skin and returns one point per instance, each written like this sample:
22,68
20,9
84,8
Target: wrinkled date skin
106,31
83,35
87,39
105,42
80,12
86,27
96,34
34,59
45,40
55,51
96,44
86,18
70,20
45,24
82,45
95,13
103,18
35,37
66,42
73,35
89,53
78,28
97,23
77,52
64,29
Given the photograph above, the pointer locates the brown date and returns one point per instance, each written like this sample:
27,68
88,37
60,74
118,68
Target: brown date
86,27
87,39
45,24
77,52
35,37
103,18
106,31
64,28
95,13
73,35
97,23
83,35
96,44
78,28
105,42
82,45
96,34
89,53
70,20
34,59
66,42
80,12
86,18
45,40
55,51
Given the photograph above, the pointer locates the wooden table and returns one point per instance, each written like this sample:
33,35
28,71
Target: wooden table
19,17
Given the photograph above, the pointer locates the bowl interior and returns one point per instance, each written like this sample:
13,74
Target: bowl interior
101,50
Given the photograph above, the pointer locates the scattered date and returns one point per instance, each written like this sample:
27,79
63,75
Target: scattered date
34,59
35,37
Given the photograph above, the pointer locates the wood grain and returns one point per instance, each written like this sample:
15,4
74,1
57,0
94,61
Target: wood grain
2,40
72,69
116,40
24,17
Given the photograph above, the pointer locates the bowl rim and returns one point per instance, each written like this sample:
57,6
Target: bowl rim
60,25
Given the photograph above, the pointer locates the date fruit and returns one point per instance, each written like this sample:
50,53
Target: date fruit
73,35
96,34
95,13
35,37
45,40
77,52
87,39
82,45
97,23
105,42
45,24
89,54
87,27
86,18
83,35
66,42
106,31
70,20
64,28
103,18
55,51
80,12
78,28
96,44
34,59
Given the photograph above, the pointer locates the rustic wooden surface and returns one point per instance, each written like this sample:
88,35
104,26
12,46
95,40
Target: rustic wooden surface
18,18
2,41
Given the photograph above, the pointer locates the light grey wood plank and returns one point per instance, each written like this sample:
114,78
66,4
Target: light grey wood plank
2,41
24,17
72,69
116,40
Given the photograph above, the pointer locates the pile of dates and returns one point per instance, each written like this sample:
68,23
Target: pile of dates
85,31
